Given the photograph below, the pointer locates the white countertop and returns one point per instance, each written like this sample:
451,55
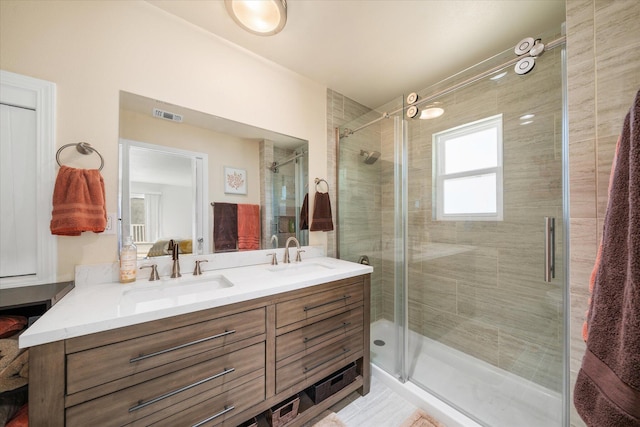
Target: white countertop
97,307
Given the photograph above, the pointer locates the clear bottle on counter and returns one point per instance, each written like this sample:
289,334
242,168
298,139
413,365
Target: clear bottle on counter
128,261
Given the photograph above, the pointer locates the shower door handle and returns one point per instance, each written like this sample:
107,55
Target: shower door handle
549,248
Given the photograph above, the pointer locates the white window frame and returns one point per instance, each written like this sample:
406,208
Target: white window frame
439,139
43,94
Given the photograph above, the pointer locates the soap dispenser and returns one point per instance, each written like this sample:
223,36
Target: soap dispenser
128,261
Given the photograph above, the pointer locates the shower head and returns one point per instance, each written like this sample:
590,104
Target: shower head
370,157
345,133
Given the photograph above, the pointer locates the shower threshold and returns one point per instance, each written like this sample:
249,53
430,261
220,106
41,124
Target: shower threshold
496,397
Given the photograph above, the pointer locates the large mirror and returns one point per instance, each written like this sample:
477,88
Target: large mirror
212,184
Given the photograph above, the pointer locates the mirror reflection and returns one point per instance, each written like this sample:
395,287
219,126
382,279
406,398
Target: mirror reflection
179,168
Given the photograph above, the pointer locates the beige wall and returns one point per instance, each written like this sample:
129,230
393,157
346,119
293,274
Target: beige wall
223,150
94,49
603,41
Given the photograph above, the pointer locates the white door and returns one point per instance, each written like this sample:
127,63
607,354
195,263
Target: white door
27,173
18,246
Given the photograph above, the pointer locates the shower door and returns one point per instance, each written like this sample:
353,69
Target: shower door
288,188
485,186
462,217
371,223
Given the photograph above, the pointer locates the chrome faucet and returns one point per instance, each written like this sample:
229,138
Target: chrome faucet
174,247
286,249
197,271
274,237
154,272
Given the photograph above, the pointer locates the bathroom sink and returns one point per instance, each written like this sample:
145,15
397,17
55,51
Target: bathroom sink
172,293
299,268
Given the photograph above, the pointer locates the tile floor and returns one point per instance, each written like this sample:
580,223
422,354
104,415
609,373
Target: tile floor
382,407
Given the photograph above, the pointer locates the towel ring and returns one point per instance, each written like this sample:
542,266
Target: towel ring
318,181
82,148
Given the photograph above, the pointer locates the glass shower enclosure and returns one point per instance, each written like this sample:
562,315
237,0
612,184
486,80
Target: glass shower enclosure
462,217
288,177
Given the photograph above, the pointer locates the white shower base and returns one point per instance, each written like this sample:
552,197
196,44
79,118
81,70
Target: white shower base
493,395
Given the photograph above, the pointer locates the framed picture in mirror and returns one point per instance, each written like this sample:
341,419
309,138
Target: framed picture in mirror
235,180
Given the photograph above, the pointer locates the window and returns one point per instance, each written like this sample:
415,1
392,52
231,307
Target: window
468,172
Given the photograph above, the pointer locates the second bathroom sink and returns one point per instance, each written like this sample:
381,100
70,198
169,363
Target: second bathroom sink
299,268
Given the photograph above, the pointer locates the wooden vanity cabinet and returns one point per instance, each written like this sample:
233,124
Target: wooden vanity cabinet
220,366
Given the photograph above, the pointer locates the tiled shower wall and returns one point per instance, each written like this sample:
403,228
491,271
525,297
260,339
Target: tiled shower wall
359,184
603,41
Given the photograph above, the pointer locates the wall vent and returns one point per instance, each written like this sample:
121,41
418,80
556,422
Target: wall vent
161,114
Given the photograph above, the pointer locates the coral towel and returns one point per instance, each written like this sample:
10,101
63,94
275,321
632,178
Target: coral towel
78,202
248,227
607,389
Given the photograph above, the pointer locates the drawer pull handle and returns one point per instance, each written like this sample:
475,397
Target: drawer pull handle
344,298
178,347
344,350
180,390
224,411
344,325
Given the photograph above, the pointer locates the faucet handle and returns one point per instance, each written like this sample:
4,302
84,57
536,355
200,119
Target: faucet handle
274,258
197,271
154,272
174,247
298,257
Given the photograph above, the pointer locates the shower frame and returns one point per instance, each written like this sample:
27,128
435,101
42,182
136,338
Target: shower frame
401,228
560,41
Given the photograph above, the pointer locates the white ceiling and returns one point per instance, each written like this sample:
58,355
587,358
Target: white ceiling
375,50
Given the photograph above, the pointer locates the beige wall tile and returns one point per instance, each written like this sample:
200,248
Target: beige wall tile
581,100
582,188
616,21
618,79
583,239
580,31
466,335
433,291
605,152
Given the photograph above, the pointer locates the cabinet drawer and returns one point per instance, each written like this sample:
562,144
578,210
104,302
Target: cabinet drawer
295,310
214,411
96,366
318,364
142,400
315,334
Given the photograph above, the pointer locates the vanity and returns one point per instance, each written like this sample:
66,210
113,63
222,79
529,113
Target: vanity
216,349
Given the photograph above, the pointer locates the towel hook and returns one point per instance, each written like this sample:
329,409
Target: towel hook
319,180
82,148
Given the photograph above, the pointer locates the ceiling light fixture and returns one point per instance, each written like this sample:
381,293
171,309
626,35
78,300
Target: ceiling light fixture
261,17
432,111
